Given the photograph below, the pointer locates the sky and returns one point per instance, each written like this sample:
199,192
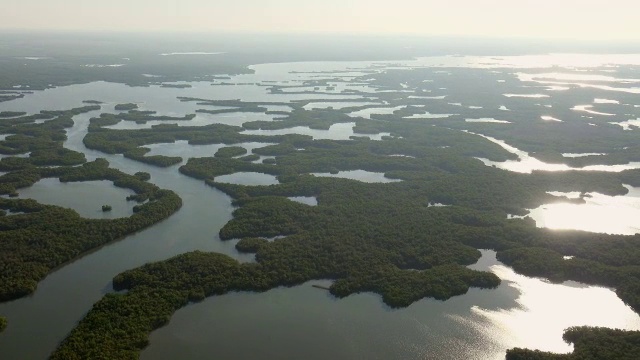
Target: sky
565,19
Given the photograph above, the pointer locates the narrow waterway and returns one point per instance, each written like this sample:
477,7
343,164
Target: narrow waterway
39,322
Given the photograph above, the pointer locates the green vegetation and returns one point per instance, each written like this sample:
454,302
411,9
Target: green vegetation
10,114
65,62
230,152
119,324
106,208
251,245
43,142
143,176
126,107
131,143
141,117
589,343
381,238
3,323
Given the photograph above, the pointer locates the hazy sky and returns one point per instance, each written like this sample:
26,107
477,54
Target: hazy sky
583,19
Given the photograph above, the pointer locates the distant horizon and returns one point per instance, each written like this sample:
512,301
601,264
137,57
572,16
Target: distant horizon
569,20
315,34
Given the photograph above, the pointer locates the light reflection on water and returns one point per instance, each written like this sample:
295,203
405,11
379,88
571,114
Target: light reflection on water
306,200
572,77
366,113
600,213
544,310
629,124
482,324
587,109
341,131
359,175
527,163
550,118
565,79
533,96
488,120
248,178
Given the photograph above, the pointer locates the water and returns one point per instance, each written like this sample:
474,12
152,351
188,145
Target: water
182,149
577,155
201,119
584,81
488,120
360,175
532,96
527,163
248,178
86,198
39,322
305,322
606,101
335,105
306,200
629,124
587,109
428,115
343,131
600,213
550,118
366,113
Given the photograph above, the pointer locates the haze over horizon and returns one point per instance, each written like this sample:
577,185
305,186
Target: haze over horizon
570,19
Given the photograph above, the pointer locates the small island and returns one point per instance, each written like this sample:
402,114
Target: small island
126,107
106,208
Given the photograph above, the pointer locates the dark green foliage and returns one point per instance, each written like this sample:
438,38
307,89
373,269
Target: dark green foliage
10,114
250,158
126,107
589,343
230,152
106,208
251,245
143,176
43,141
3,323
118,325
